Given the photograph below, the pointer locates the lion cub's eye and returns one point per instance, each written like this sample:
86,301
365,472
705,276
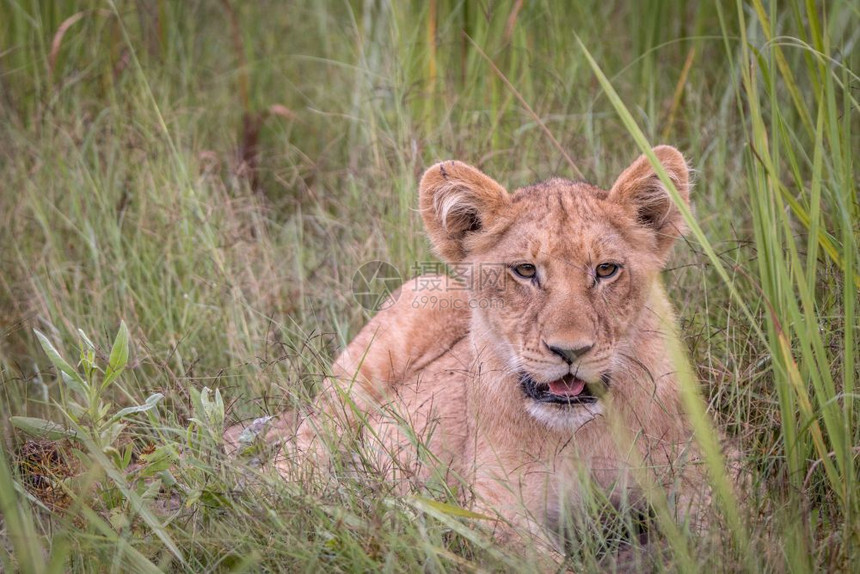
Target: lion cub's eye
525,270
606,270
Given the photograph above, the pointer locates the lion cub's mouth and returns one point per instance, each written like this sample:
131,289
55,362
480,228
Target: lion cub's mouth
567,390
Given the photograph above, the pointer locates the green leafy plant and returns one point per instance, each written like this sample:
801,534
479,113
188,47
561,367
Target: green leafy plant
208,413
89,414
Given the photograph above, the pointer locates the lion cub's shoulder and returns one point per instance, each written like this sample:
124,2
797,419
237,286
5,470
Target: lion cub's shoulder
422,321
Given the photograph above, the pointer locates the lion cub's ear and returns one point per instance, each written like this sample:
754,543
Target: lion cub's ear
639,189
458,202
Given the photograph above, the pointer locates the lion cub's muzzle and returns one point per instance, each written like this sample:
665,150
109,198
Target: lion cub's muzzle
567,391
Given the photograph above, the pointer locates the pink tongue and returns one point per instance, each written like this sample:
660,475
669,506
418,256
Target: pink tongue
567,386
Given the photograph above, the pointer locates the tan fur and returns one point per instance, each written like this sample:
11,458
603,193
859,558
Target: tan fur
451,367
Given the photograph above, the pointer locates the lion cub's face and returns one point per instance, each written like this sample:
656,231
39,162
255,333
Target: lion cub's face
560,273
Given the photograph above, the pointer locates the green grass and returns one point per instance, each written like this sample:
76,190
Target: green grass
213,174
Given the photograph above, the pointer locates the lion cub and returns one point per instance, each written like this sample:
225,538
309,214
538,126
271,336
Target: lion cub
543,366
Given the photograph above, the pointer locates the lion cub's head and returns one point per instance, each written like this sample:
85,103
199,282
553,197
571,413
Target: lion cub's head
559,274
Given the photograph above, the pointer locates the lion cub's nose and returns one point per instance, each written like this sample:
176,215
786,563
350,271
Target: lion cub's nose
572,353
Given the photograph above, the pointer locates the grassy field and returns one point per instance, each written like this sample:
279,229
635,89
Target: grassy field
204,178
